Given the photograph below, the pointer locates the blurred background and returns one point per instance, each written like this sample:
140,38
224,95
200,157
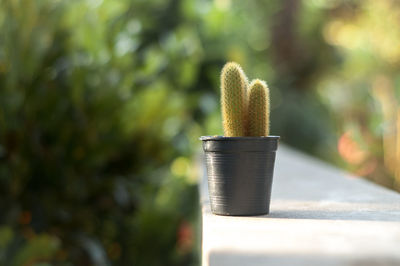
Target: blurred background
102,103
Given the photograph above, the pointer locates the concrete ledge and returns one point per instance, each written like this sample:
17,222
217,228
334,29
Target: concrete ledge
320,215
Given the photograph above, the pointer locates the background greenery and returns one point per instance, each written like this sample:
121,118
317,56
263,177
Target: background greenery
102,104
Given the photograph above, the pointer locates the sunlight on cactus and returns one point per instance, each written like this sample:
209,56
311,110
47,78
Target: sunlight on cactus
258,109
233,100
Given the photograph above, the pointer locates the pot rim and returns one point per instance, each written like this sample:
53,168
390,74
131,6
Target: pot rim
217,138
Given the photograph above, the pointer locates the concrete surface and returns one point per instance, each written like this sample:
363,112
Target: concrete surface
319,216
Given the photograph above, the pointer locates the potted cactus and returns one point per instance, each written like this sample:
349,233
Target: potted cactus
240,164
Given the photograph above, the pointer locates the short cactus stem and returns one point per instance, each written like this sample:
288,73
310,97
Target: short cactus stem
258,109
233,100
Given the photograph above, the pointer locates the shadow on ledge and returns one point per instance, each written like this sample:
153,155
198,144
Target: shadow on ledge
360,215
237,259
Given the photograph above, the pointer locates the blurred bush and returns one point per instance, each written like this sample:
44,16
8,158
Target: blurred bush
94,166
361,87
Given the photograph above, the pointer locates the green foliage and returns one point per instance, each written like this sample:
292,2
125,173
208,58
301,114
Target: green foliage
258,109
233,100
39,248
93,114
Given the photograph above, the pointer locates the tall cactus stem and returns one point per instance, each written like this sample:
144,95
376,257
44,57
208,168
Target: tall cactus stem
258,109
233,100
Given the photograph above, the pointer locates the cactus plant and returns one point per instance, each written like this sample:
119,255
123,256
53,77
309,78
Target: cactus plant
258,109
233,100
245,112
240,169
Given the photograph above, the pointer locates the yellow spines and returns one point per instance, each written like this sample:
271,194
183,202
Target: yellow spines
233,100
258,109
245,109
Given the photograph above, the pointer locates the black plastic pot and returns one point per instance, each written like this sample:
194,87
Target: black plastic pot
240,171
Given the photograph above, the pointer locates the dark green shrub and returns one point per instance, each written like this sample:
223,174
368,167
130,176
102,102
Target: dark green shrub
92,115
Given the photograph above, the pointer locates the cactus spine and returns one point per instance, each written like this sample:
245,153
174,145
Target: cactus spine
258,109
245,112
233,100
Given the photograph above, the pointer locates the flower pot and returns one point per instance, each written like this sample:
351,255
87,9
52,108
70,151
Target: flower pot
240,171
